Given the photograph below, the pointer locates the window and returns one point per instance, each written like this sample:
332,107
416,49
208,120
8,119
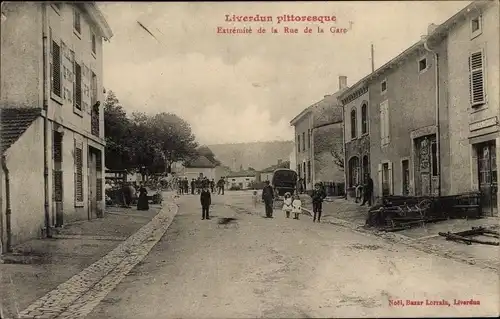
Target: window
383,86
94,121
476,79
384,123
298,143
422,65
78,172
77,21
364,119
353,124
308,171
309,139
56,69
303,141
78,87
476,26
93,44
434,158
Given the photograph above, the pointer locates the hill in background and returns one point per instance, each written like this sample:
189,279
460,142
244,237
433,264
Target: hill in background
258,155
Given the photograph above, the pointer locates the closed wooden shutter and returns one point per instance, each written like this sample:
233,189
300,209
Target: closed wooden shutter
56,69
58,186
476,79
78,86
78,172
382,123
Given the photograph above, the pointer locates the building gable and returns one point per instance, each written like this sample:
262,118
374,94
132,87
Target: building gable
14,122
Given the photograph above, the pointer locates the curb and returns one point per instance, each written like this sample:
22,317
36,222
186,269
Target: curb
411,242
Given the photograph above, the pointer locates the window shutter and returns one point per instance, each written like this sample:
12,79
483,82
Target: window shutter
78,172
386,120
78,86
380,179
391,180
56,69
476,79
382,123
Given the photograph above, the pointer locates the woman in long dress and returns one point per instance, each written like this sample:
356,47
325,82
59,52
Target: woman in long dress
142,201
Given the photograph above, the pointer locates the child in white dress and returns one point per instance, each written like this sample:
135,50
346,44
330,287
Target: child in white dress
254,199
287,204
296,207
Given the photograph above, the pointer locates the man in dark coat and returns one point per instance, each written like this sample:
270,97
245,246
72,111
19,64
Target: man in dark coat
367,191
185,184
268,197
212,185
206,201
193,185
220,185
318,195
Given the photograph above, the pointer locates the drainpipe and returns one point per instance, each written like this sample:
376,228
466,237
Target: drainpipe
438,134
46,92
8,210
345,153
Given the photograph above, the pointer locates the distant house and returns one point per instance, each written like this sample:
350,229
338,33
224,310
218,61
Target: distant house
267,174
199,166
318,131
241,179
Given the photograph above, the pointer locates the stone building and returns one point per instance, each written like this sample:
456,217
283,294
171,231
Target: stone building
52,129
318,131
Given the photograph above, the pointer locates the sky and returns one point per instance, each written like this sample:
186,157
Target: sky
247,87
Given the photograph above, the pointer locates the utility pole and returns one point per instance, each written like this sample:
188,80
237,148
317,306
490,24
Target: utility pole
373,58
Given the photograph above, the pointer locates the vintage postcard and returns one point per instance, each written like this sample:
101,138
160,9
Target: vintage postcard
273,159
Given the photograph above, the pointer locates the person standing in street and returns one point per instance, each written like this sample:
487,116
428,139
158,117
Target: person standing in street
296,206
287,204
212,185
185,184
206,201
268,197
220,186
318,196
367,191
192,186
142,201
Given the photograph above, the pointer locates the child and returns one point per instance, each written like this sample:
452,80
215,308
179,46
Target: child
206,201
318,195
296,206
287,204
359,190
254,199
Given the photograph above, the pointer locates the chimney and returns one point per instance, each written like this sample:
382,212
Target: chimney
431,28
342,82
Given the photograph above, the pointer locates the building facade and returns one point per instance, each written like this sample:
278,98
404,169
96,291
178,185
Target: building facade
472,47
240,180
201,166
319,124
52,60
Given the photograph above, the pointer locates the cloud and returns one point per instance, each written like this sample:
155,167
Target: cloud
236,88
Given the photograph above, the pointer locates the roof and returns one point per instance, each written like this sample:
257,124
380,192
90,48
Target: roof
270,169
301,115
14,122
99,19
327,111
435,34
243,174
200,162
453,20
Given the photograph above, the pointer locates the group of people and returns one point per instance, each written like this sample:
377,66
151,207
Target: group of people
126,193
292,203
198,185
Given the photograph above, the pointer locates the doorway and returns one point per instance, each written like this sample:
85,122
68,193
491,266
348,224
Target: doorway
488,184
405,168
57,173
426,166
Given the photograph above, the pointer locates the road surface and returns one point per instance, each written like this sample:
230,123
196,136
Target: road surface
281,267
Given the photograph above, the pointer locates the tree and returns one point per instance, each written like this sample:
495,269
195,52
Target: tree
337,152
117,133
172,138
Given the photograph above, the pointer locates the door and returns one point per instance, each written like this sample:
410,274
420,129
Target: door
385,180
405,164
426,168
92,184
487,170
57,185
